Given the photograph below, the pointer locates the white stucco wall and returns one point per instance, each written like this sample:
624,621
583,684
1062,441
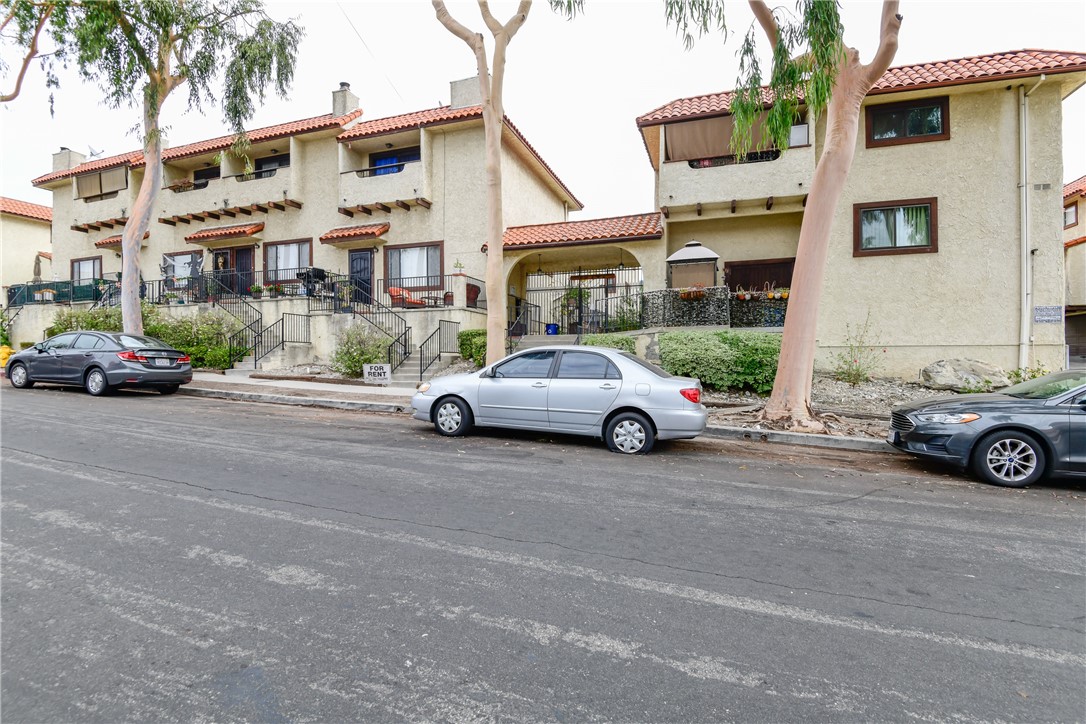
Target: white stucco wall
1075,257
20,241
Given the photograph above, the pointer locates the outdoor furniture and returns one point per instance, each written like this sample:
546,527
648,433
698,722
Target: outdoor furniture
402,298
473,295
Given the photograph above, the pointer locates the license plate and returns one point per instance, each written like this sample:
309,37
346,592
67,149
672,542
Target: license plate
893,437
163,362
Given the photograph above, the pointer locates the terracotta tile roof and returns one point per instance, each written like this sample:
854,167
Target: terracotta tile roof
345,233
25,208
1077,187
46,254
436,117
232,231
135,158
1074,242
975,69
593,231
114,240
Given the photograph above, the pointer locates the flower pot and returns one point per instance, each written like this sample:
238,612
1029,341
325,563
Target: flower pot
256,295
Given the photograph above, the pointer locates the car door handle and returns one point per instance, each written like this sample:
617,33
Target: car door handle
540,384
608,386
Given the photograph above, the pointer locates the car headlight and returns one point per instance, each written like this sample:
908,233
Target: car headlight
423,387
948,418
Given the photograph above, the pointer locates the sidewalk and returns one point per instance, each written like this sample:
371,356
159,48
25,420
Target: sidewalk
372,398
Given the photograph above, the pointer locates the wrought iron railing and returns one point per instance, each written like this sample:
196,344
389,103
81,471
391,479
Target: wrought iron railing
445,339
288,328
399,349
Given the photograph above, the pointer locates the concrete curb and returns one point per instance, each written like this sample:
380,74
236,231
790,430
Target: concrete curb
833,442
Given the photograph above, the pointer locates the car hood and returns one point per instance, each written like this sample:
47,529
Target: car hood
987,401
454,382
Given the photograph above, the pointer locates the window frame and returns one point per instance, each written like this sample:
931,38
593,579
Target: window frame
269,273
439,275
869,121
933,233
73,262
1074,207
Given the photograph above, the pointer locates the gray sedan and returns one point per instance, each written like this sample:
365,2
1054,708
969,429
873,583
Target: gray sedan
1013,437
101,362
592,391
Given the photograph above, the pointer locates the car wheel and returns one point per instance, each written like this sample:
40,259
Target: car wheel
169,389
19,377
96,383
629,433
452,417
1009,458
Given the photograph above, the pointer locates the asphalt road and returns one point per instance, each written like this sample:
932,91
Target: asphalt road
184,559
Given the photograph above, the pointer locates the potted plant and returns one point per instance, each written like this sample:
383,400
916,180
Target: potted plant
575,296
274,290
169,297
256,290
694,291
343,296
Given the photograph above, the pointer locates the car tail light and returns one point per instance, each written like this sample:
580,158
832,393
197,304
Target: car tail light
183,359
130,356
691,393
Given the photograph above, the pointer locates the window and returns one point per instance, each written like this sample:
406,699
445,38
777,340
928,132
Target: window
92,186
895,227
916,121
85,270
88,341
184,264
283,261
586,366
388,162
265,167
1070,215
529,365
414,266
202,176
64,341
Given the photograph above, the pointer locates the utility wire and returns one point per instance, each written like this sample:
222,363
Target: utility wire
362,40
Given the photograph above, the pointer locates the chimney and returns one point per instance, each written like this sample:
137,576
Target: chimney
343,101
66,158
465,92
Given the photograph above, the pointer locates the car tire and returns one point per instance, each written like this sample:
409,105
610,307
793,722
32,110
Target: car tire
452,417
20,378
1009,458
96,383
629,433
168,389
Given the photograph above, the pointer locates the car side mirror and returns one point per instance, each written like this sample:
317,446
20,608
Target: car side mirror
39,347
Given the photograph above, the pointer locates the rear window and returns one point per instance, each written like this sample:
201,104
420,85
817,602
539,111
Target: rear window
658,371
133,341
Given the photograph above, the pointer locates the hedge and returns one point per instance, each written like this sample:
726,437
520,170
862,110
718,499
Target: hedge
624,342
723,360
473,346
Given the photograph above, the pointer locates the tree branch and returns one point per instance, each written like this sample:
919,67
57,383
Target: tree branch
31,53
454,27
765,18
891,24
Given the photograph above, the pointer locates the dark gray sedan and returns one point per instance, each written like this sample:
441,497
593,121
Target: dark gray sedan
582,390
1013,437
101,362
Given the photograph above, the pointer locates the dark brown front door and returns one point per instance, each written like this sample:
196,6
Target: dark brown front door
755,274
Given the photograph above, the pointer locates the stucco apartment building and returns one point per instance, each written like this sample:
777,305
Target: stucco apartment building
947,239
25,246
395,202
1074,245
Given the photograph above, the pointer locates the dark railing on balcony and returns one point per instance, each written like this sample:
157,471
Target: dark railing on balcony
444,340
263,173
380,170
432,290
771,154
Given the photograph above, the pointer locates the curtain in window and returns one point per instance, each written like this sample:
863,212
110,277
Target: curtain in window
284,260
86,270
914,227
896,227
415,267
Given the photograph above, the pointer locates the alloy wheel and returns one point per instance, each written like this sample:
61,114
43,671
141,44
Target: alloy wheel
1011,460
18,376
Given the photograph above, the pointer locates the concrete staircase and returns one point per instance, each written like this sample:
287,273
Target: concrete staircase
407,374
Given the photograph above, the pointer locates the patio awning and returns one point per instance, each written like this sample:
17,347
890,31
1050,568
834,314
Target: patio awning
344,236
221,233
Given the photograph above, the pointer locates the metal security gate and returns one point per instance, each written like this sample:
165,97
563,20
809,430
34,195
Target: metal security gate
587,301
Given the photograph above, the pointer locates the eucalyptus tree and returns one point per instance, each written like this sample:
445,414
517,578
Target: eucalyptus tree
226,52
22,27
811,66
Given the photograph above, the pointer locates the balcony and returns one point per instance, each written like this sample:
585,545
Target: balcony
258,187
384,185
758,176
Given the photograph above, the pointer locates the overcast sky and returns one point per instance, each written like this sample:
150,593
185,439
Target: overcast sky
573,88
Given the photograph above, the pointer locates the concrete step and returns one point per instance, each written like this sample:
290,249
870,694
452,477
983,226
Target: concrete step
539,340
408,372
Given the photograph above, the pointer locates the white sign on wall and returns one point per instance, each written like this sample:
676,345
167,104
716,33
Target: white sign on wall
377,374
1048,315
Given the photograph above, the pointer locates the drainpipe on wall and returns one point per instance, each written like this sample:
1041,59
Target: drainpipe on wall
1025,261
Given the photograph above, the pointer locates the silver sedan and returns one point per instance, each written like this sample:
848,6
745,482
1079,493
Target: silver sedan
593,391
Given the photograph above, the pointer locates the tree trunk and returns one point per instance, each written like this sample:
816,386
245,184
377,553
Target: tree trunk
497,316
139,218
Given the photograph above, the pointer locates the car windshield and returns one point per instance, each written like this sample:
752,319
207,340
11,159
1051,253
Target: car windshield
658,371
132,341
1048,386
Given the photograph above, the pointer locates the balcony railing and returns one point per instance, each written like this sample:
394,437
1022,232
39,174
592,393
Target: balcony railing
771,154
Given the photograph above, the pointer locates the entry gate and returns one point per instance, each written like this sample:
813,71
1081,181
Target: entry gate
586,301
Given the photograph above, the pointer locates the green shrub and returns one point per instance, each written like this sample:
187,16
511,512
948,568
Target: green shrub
1027,373
755,364
473,346
624,342
104,319
723,360
356,346
861,358
4,338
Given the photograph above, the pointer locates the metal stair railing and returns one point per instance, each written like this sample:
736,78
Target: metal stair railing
444,339
245,339
288,328
349,297
529,321
109,295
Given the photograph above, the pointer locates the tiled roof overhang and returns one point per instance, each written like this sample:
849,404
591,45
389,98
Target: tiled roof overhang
135,158
1074,242
234,231
440,116
15,207
115,240
1075,188
46,254
639,227
354,233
